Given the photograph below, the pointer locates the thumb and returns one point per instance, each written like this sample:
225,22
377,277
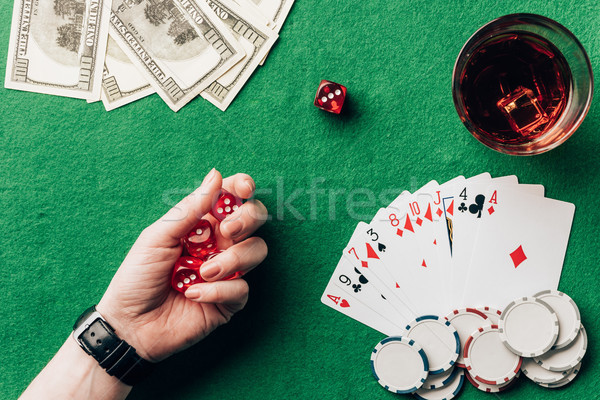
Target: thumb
179,220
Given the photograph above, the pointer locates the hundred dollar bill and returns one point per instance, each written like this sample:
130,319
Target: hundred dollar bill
275,10
122,83
58,47
279,9
180,46
256,38
250,7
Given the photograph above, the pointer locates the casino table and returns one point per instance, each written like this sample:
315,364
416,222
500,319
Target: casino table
78,184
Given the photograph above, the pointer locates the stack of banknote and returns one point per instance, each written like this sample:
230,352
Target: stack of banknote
119,51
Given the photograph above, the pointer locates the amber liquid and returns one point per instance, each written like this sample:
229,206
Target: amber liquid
515,87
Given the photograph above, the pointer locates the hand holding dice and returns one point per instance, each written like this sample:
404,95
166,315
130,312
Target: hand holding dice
201,245
196,248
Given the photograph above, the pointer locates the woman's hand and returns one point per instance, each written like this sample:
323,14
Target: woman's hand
141,305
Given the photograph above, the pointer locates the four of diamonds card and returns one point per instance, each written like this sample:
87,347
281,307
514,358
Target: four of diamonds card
480,241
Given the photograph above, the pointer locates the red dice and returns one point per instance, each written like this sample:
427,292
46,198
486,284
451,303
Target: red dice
201,245
201,241
330,96
213,254
186,273
225,205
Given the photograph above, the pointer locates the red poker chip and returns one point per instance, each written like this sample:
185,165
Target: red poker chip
466,321
488,388
487,359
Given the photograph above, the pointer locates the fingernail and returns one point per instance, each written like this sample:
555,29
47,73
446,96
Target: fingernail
194,292
210,176
210,271
251,185
234,227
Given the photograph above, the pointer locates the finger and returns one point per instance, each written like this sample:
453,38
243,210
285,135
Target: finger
244,221
233,293
179,220
241,257
241,185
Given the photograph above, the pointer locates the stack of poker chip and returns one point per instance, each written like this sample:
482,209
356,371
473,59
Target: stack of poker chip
540,336
422,361
546,331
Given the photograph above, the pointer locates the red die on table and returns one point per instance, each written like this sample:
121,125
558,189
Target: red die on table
330,96
201,241
225,205
186,273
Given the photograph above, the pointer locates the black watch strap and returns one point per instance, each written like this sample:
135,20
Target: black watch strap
115,355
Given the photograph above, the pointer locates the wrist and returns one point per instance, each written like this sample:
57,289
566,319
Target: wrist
72,374
98,338
88,369
123,327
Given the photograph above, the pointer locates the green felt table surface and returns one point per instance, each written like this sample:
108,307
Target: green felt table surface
78,184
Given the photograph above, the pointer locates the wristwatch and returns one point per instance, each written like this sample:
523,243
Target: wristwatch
98,339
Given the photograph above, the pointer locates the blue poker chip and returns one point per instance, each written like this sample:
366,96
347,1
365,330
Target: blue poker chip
399,364
441,380
439,340
447,392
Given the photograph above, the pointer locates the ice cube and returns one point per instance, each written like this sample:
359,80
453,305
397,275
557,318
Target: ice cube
522,110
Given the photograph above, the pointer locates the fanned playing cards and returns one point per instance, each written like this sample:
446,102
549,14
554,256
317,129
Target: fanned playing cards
480,241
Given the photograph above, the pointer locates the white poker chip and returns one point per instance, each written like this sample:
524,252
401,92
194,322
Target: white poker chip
566,380
528,327
440,380
466,321
399,364
567,357
439,340
569,318
488,388
536,373
487,359
492,314
446,392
